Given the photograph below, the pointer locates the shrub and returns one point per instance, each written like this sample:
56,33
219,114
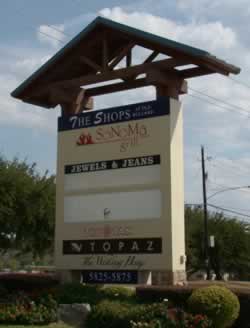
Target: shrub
180,320
77,293
27,281
244,299
179,296
111,314
218,303
92,294
119,293
24,310
176,294
4,294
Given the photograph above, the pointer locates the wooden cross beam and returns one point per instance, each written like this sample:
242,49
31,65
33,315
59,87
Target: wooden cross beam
122,53
151,57
153,77
123,73
195,71
91,63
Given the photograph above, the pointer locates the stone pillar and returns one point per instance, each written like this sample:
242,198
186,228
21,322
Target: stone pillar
173,205
69,276
72,101
144,278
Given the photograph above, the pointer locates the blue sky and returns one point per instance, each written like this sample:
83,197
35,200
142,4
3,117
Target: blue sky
219,26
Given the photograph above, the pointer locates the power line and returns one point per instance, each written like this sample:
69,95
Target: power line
233,166
231,169
58,30
223,186
220,100
239,82
227,210
41,32
218,105
53,27
238,209
50,36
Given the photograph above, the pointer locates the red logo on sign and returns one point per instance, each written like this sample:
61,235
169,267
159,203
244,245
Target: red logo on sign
85,139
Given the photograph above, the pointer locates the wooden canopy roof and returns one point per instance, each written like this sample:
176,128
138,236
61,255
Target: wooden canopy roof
93,55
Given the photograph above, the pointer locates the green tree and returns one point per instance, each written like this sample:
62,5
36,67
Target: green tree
232,243
27,207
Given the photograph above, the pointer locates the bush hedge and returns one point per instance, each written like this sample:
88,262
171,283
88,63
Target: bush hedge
243,319
176,294
23,309
77,293
180,294
27,281
217,302
92,294
121,292
112,314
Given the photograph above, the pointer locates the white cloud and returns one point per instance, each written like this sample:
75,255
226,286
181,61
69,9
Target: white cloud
209,35
53,35
208,5
16,65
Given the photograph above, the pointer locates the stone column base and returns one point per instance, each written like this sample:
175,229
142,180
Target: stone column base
161,278
144,277
68,276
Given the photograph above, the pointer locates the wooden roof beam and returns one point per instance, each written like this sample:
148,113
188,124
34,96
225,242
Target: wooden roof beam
105,53
117,87
169,64
123,52
123,73
90,63
129,58
194,72
205,61
153,77
151,57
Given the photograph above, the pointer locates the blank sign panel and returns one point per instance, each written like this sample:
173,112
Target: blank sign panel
112,178
131,205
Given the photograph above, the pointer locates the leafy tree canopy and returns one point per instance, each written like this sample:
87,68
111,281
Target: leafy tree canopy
232,243
27,206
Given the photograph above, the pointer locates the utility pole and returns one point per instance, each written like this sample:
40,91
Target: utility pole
206,246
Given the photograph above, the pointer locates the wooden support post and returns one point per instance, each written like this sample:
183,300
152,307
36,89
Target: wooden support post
170,91
74,103
129,58
151,57
105,54
122,53
167,84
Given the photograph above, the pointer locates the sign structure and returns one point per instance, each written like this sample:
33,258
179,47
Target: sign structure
120,191
114,192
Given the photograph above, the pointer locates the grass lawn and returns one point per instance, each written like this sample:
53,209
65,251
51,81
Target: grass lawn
52,325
